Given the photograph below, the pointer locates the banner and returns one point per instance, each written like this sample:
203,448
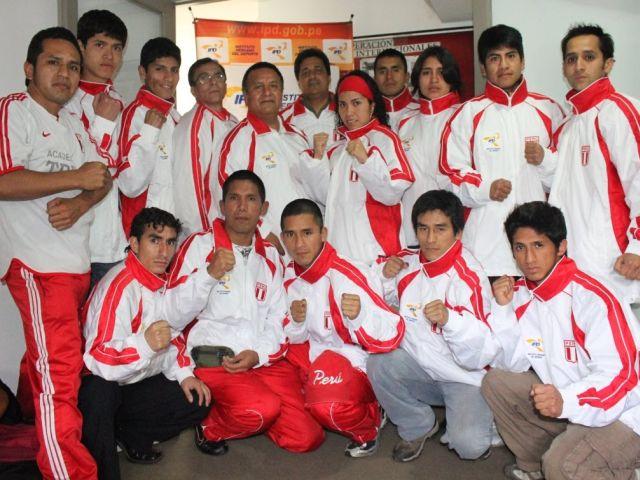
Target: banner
459,42
237,45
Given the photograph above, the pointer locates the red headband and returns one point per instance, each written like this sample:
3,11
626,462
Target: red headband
354,83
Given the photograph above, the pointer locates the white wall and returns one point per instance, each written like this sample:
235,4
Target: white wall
371,17
34,15
543,23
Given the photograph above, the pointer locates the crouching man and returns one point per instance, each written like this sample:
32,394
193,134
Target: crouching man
566,403
142,388
338,319
443,295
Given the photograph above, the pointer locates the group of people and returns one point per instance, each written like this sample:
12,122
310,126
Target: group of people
350,258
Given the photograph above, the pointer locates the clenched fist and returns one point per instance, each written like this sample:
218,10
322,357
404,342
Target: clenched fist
154,118
436,313
93,176
533,153
393,266
547,400
222,262
356,149
500,189
158,335
628,265
298,310
106,107
319,144
350,305
503,290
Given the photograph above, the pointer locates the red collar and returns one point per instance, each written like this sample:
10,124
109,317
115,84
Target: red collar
358,132
320,265
94,88
444,263
398,102
223,114
148,279
150,100
300,108
590,96
221,238
498,95
433,107
557,280
260,126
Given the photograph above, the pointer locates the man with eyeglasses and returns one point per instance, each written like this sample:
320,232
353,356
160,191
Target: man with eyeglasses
197,140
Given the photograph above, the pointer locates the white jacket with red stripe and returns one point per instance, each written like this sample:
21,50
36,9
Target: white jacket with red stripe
597,183
273,156
462,349
197,140
302,118
246,308
363,211
127,300
484,140
420,133
576,335
399,107
107,240
145,157
377,329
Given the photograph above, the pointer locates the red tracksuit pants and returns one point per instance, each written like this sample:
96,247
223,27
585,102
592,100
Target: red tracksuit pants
266,399
49,305
338,395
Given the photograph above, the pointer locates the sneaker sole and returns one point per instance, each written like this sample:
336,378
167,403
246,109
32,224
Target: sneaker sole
430,434
361,454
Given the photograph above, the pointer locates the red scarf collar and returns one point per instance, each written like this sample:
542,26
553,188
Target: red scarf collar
358,132
148,279
150,100
94,88
398,102
557,280
590,96
221,238
498,95
320,265
433,107
444,263
223,114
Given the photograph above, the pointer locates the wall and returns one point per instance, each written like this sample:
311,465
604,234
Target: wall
388,18
543,23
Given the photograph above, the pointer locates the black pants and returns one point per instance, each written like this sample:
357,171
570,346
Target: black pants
154,409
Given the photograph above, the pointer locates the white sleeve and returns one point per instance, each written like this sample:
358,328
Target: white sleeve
316,174
177,362
185,299
506,330
17,136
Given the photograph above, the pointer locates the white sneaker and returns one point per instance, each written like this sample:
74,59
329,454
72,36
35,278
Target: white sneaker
359,450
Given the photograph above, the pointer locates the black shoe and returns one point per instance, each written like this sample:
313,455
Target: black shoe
209,447
135,456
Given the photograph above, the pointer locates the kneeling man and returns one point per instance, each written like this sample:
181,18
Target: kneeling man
566,403
443,296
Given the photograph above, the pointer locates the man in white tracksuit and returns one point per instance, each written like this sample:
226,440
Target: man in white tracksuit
492,148
564,392
197,140
597,183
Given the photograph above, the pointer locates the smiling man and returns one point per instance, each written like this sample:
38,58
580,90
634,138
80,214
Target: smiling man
565,392
443,295
597,184
197,141
493,148
145,144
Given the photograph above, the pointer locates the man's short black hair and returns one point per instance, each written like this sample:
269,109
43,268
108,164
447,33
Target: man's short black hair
441,200
302,206
244,175
450,68
156,48
95,22
390,52
191,75
155,218
606,41
542,217
36,45
499,36
258,66
311,53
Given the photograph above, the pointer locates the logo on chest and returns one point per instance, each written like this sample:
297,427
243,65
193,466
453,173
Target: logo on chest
406,143
223,287
353,176
584,154
570,352
269,160
413,309
261,291
327,320
492,143
164,151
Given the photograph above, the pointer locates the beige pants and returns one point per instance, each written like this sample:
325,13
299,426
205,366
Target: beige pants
562,450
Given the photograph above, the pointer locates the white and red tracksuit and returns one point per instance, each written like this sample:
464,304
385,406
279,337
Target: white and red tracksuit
597,182
459,351
273,156
246,310
197,140
122,306
363,211
484,140
420,134
399,107
576,335
145,157
331,350
305,120
107,240
46,271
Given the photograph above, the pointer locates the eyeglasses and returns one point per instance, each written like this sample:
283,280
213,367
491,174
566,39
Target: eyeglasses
210,77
